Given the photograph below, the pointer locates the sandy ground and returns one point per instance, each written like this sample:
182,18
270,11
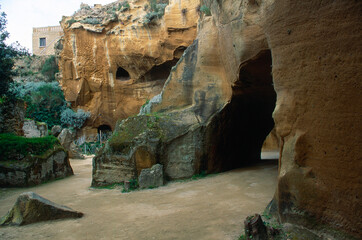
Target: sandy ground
210,208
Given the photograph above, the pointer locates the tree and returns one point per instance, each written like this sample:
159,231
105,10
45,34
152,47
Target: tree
7,53
74,119
45,101
50,68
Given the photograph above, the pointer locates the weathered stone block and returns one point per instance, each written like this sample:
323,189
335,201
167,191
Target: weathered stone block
31,208
32,128
33,170
151,177
56,130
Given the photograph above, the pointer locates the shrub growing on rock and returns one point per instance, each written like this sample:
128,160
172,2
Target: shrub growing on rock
45,101
92,21
157,11
50,68
204,9
7,54
73,119
14,147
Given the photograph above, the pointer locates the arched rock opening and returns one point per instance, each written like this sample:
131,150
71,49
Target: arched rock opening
160,72
122,74
236,135
104,129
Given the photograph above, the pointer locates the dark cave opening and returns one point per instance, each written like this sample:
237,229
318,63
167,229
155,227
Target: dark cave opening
122,74
237,134
104,129
160,72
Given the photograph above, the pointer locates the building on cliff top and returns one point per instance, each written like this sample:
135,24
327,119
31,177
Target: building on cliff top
44,39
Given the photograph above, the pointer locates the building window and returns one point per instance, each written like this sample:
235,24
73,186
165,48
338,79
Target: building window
42,42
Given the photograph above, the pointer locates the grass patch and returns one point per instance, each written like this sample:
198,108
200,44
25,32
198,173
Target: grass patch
110,186
202,174
195,177
133,185
14,147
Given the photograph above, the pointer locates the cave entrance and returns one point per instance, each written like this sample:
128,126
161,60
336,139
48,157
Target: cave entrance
160,72
122,74
239,131
104,132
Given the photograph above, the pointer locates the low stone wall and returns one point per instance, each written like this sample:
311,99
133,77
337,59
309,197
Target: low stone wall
32,128
35,170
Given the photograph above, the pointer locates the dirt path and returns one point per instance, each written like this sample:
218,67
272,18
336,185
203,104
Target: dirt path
210,208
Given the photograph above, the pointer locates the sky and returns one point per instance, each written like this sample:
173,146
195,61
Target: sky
23,15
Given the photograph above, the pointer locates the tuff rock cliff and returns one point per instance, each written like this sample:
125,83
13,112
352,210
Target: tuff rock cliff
256,62
113,58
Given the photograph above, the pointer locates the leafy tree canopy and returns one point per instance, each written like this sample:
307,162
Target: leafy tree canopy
7,53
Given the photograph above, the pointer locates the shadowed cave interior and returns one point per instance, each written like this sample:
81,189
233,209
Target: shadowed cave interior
104,129
122,74
237,133
159,72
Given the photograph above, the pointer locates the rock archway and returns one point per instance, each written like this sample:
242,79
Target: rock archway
236,136
122,74
104,128
160,72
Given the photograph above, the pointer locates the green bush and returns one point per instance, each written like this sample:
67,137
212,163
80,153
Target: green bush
14,147
204,9
50,68
133,185
157,11
90,20
71,21
124,6
73,119
7,55
44,101
90,148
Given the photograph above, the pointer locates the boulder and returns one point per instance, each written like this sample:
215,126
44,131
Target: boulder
74,151
56,130
32,128
151,177
67,138
31,208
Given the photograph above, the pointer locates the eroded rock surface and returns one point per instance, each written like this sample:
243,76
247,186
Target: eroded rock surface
296,58
12,115
31,208
33,170
116,57
56,130
66,139
151,177
32,128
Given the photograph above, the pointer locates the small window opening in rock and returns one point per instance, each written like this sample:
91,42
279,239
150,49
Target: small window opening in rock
239,131
122,74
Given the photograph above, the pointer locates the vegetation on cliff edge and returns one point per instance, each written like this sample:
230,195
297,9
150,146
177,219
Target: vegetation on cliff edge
14,147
